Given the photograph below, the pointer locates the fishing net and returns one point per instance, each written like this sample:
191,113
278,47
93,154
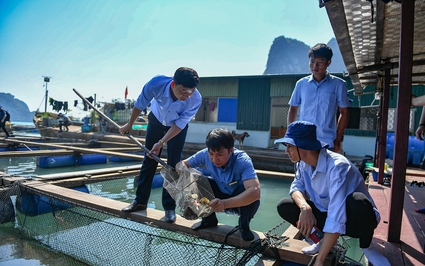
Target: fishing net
92,237
190,189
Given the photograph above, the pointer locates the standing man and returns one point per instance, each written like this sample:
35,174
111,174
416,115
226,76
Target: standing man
318,96
3,121
174,102
232,178
328,192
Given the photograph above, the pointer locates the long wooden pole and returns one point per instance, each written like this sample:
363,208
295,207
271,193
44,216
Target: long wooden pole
156,158
85,150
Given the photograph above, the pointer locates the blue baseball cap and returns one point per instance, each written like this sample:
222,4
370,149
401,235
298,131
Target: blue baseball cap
302,134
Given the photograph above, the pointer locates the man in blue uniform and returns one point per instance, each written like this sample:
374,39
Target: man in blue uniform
328,192
173,101
233,180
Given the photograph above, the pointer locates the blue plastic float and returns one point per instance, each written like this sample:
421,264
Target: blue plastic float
18,149
87,159
158,180
115,158
70,160
32,204
55,161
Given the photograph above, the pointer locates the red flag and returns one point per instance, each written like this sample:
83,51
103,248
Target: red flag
126,92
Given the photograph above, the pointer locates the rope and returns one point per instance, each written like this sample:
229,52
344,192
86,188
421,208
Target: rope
220,249
252,250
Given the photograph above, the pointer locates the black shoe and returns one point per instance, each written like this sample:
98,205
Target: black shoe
170,216
205,223
243,225
134,207
60,131
246,234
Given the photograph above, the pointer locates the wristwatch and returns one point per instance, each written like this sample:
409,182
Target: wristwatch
161,142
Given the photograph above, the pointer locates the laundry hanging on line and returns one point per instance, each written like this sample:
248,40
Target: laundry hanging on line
58,105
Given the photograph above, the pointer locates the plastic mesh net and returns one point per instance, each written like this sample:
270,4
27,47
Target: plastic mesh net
97,238
191,191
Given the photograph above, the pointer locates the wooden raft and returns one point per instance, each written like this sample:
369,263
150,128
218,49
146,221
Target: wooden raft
291,250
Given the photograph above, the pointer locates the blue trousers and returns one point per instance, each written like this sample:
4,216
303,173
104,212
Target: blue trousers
361,219
154,133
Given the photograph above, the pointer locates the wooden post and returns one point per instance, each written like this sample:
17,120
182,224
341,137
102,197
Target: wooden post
403,118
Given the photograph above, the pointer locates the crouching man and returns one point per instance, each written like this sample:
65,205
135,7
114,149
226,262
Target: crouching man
328,192
232,178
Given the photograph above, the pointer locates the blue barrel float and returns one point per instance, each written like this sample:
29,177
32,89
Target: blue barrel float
88,159
70,160
32,204
157,181
115,158
18,148
55,161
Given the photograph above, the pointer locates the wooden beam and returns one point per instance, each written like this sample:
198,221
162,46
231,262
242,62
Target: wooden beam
114,170
77,149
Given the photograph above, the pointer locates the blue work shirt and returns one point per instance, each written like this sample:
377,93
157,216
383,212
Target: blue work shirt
318,104
328,186
238,169
167,110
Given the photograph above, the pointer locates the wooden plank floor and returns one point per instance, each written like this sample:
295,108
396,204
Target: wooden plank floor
410,251
290,250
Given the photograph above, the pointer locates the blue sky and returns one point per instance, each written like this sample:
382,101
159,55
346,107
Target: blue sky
101,46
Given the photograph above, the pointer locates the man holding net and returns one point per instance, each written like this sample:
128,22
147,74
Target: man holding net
232,178
174,102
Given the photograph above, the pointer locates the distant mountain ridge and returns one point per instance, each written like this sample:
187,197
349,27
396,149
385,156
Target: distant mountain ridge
286,56
290,56
19,111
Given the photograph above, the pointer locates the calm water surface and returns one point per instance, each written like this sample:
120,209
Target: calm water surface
17,250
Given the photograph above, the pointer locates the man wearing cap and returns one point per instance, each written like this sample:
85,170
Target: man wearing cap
3,121
328,192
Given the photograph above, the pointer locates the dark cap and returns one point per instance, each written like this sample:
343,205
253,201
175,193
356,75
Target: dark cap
302,134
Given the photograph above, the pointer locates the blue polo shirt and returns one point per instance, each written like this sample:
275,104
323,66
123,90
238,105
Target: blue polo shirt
328,186
239,169
166,110
318,104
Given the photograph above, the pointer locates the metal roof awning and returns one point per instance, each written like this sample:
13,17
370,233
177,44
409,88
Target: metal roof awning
368,35
383,43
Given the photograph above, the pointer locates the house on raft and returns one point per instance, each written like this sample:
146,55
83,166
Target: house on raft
259,105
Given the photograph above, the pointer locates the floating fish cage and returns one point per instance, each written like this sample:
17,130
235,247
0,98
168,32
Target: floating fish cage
97,238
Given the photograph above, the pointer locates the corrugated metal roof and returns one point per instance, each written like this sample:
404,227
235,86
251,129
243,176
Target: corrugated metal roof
368,35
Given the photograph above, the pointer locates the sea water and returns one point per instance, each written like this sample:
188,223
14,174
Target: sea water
15,250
